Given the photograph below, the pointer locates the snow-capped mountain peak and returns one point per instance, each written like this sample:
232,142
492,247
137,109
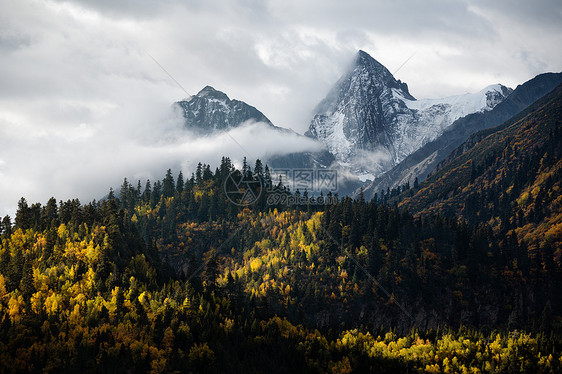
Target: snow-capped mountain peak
358,113
377,71
371,115
211,110
210,92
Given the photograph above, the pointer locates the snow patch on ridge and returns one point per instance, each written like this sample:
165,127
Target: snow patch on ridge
461,105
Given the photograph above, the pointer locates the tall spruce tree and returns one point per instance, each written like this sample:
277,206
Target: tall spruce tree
180,183
168,185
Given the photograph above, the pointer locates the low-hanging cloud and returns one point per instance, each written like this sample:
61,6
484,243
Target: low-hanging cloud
86,160
373,162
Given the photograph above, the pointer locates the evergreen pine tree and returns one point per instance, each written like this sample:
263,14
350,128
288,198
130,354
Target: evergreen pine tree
156,194
199,174
180,183
147,191
50,213
258,169
124,193
26,284
168,185
23,215
207,173
6,226
138,191
5,259
267,179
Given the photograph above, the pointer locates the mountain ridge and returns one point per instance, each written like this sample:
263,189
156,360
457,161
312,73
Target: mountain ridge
423,161
515,167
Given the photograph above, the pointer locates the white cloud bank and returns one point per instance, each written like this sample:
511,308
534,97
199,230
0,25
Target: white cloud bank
83,162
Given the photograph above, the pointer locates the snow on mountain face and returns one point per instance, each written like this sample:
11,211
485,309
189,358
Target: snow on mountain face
360,112
463,105
211,110
370,122
432,116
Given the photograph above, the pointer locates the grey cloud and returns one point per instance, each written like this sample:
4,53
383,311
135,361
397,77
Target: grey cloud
546,14
410,18
126,8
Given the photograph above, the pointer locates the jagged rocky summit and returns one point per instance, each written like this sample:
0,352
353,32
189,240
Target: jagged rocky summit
370,122
212,110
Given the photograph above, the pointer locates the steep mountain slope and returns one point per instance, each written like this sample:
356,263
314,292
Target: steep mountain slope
423,161
211,110
511,178
370,121
360,112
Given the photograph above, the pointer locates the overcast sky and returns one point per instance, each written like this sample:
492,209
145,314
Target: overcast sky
82,103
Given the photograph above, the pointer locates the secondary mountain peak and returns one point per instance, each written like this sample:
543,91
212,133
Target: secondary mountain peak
210,92
211,110
495,94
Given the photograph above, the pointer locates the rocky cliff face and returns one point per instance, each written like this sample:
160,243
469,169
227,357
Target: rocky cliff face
360,115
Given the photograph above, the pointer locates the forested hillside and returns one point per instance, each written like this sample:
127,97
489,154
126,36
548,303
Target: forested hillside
510,179
173,277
